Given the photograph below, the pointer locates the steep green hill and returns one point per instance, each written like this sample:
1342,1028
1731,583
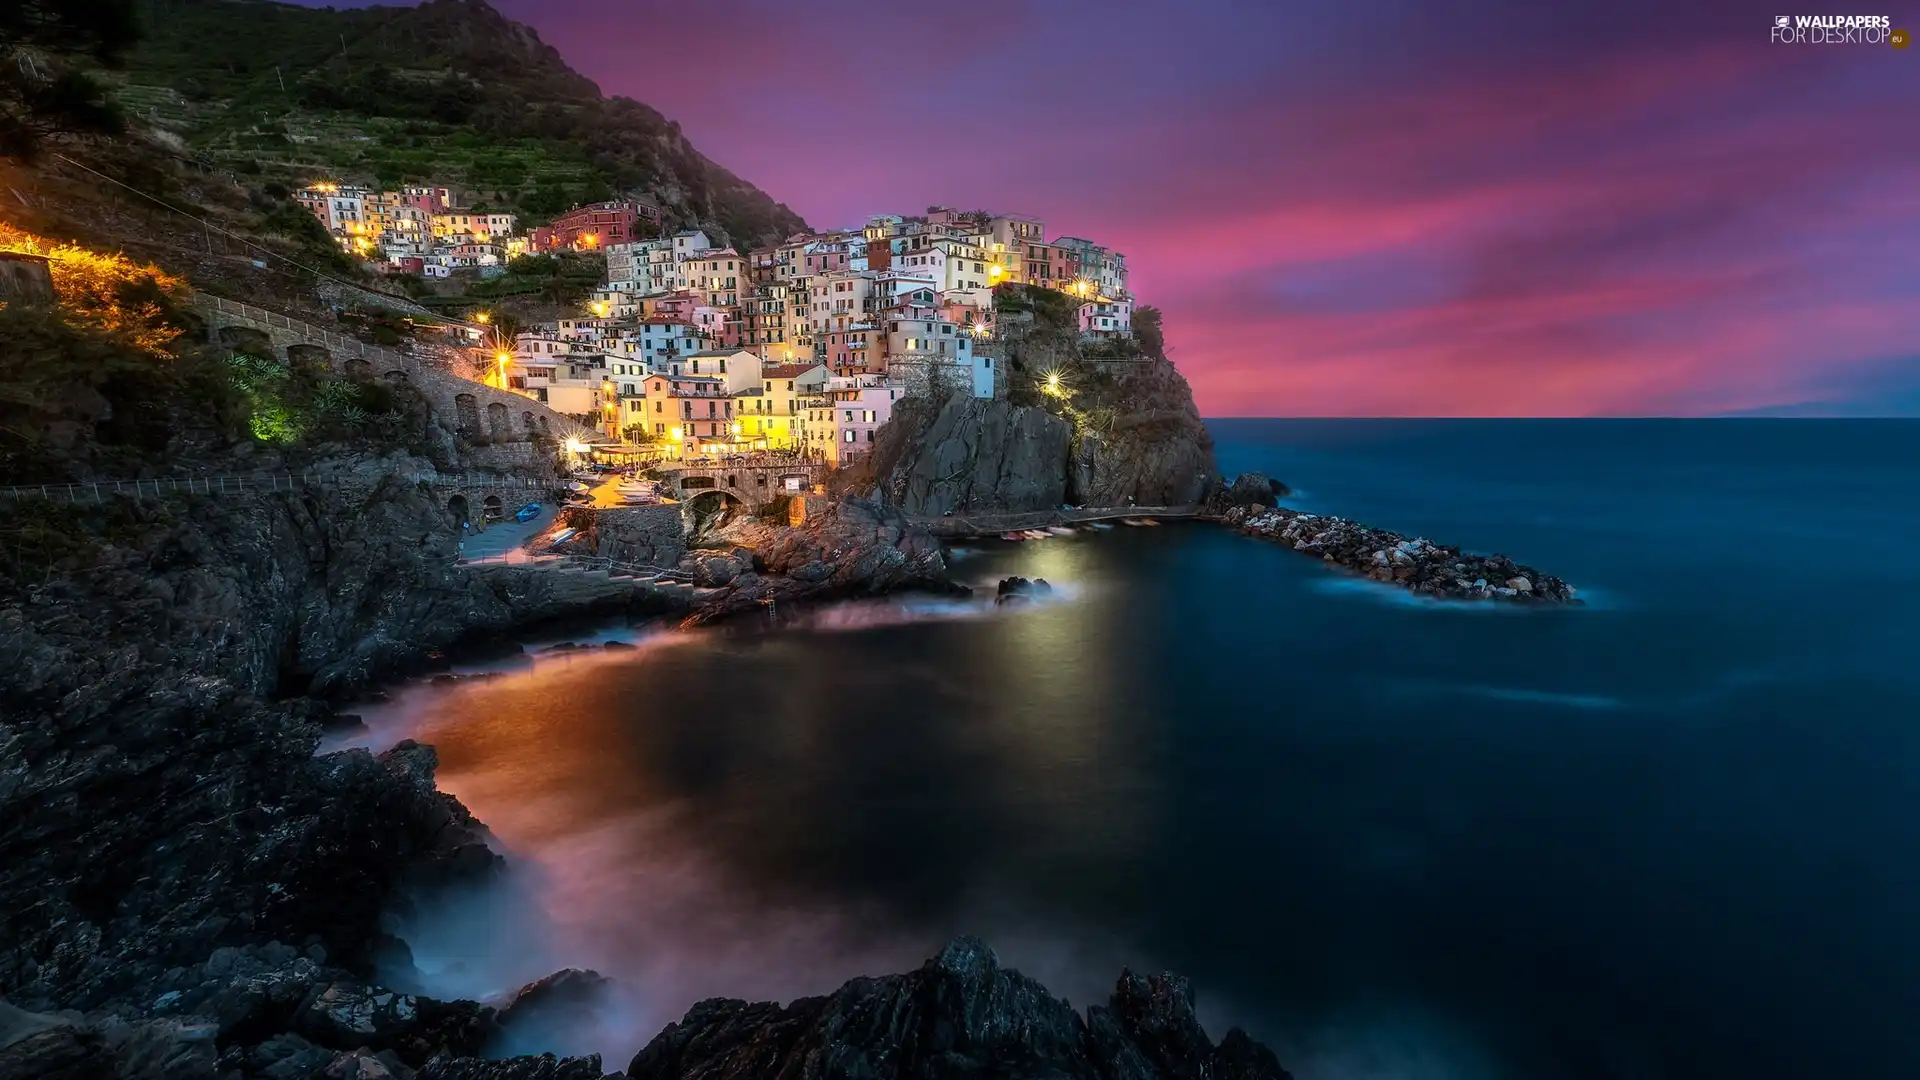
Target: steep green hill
450,91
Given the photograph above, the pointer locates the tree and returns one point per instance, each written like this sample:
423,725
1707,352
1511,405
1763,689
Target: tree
1146,330
41,92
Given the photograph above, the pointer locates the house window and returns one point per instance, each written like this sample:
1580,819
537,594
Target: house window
850,434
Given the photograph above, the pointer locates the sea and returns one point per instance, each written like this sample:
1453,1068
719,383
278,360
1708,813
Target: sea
1671,833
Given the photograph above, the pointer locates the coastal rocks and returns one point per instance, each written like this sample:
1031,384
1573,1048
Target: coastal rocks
537,1067
63,1049
566,1000
1142,439
1426,568
972,453
855,547
960,1016
636,535
1253,489
1017,590
1132,435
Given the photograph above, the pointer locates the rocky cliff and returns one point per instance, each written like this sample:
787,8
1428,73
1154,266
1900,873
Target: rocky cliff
961,1016
1121,433
846,548
161,805
967,453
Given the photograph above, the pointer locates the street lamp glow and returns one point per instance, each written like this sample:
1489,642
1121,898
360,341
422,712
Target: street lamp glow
504,358
483,318
575,446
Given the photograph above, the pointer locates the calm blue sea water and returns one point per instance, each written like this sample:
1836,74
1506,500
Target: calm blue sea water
1673,834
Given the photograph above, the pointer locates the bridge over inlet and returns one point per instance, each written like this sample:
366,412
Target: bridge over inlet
483,415
955,526
754,484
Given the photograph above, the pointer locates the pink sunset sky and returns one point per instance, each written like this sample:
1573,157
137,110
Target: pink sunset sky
1364,207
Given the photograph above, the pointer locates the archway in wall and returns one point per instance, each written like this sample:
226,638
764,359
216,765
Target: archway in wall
493,508
458,510
710,509
498,425
467,409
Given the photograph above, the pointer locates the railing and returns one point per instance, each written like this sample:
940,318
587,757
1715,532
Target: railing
245,483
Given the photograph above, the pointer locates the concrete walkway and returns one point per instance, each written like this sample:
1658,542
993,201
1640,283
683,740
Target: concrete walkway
505,541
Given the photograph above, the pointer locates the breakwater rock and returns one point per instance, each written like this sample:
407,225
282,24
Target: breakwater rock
960,1016
1426,568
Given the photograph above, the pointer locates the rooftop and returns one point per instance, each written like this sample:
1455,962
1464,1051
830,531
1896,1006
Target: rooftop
789,371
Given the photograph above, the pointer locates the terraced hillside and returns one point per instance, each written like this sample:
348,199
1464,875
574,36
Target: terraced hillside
450,91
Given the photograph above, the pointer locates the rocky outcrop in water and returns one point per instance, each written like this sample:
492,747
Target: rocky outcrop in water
959,1017
1426,568
1017,590
851,547
1252,489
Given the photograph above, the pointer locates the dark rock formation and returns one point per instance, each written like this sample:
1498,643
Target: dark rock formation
176,866
960,1016
542,1067
972,454
1130,432
567,999
1253,489
1427,568
854,547
1141,439
640,535
1018,589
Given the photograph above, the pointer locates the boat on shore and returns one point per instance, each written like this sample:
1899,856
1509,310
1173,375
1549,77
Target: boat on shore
639,492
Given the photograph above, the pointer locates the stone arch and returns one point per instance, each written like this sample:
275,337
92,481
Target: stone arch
493,508
458,510
715,499
245,339
543,425
395,376
498,425
467,414
526,419
696,483
357,368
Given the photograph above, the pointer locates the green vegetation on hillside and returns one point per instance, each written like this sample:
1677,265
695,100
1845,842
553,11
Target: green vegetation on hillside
41,93
448,92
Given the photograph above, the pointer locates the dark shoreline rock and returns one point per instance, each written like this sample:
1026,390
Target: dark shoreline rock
961,1016
1425,568
852,547
1016,590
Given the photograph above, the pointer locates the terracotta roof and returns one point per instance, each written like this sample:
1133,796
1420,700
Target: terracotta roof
789,371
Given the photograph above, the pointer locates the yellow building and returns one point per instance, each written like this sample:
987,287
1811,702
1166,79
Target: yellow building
768,417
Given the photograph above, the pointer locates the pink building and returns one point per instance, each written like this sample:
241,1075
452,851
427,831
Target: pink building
720,326
823,258
856,350
592,227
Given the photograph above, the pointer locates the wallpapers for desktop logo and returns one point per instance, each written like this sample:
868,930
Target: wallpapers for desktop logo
1838,30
